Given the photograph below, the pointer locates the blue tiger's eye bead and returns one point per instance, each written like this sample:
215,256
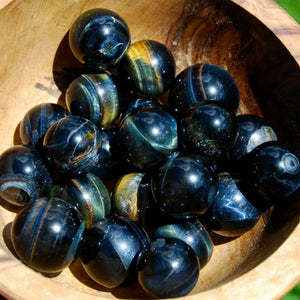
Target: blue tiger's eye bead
96,97
273,170
111,249
132,198
168,268
201,82
191,232
148,68
37,121
99,38
23,175
147,136
185,185
209,129
231,213
252,132
72,145
88,193
47,234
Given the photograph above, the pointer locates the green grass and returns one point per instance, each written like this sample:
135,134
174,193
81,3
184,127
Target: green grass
292,7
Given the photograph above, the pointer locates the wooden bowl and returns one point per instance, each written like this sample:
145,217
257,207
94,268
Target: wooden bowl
37,65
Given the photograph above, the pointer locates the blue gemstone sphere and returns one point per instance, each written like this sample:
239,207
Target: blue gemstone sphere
192,233
37,121
147,68
88,193
231,213
24,176
72,145
185,185
110,250
201,82
47,234
147,136
168,268
209,129
96,97
99,38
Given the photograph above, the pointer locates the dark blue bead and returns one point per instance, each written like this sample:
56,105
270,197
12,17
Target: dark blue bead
192,233
252,132
231,213
111,249
73,145
209,129
96,97
201,82
168,268
23,175
185,185
47,234
147,136
147,68
88,193
37,121
272,170
99,38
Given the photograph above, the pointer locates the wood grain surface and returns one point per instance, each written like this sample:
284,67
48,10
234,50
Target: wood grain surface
36,66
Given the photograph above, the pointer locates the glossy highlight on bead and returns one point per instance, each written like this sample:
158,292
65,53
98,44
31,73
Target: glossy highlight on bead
47,234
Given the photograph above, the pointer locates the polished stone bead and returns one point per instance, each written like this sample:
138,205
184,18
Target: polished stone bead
168,268
73,145
231,213
191,232
37,120
47,235
111,249
88,193
96,97
272,170
252,132
185,185
201,82
24,176
132,198
147,136
209,129
147,68
99,38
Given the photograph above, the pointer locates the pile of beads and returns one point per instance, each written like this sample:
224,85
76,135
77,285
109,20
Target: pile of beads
179,170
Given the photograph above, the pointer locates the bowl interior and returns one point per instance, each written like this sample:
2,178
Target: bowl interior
37,66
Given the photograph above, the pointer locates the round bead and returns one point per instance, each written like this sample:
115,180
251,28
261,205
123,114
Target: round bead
192,233
168,268
185,185
96,97
231,213
110,250
37,121
147,136
273,170
99,38
47,234
252,132
132,198
88,193
202,82
209,129
148,68
73,145
23,175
